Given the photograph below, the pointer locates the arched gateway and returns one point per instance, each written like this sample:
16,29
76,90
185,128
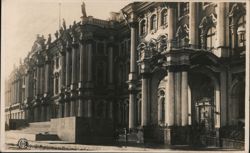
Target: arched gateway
179,91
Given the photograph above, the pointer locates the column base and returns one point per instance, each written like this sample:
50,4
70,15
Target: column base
89,85
111,87
177,135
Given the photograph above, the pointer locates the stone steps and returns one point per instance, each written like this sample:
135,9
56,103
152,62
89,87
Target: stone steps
36,128
38,131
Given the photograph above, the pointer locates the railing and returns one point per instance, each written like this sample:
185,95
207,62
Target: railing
91,20
230,143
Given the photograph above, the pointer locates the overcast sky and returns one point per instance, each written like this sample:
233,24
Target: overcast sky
24,19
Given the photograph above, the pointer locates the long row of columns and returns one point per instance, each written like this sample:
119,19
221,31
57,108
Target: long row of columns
73,106
15,90
70,56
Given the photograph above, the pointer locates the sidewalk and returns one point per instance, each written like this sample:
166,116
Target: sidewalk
11,144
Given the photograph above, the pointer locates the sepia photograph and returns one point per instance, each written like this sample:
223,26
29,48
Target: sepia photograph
125,76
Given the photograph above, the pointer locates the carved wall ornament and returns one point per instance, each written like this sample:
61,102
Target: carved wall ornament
182,31
64,24
237,11
56,34
162,43
207,22
143,50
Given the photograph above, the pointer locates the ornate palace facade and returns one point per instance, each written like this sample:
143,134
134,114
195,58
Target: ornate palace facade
164,67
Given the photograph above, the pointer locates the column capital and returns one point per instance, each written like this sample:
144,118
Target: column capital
68,46
133,17
172,4
62,50
145,66
75,45
133,24
131,85
47,60
86,37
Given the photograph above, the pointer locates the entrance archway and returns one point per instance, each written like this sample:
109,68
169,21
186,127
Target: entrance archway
158,85
161,101
237,102
204,98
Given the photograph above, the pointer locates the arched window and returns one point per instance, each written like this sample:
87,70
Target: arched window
153,23
143,27
241,32
211,38
164,14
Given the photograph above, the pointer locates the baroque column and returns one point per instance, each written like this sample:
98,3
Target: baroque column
73,79
193,24
89,77
170,105
111,64
62,82
178,98
184,98
221,31
67,105
145,99
42,91
27,93
46,88
145,71
171,23
132,75
81,79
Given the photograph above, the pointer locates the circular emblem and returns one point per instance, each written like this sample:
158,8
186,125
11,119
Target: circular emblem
22,143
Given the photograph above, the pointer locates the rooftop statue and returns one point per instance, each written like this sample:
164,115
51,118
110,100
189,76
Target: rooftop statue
84,14
49,39
56,34
64,24
61,31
